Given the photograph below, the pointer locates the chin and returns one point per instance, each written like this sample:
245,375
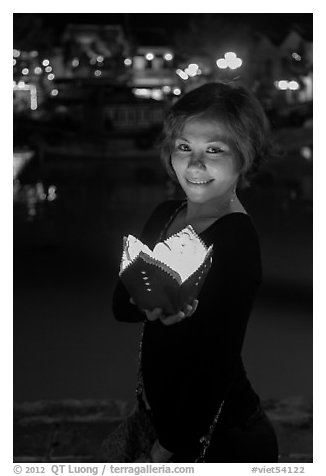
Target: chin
197,198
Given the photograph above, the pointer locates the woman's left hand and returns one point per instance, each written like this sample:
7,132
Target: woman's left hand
157,313
187,311
160,454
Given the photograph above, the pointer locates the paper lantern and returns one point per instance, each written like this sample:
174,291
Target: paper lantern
168,277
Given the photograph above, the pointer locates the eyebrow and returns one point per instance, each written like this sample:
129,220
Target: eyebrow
224,139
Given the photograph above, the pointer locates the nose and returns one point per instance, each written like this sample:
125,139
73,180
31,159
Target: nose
196,160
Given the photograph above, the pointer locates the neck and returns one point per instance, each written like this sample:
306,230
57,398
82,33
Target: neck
211,210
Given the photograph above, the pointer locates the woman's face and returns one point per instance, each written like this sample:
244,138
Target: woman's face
205,161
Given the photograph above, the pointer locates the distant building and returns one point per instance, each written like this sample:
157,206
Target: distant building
96,51
153,66
282,73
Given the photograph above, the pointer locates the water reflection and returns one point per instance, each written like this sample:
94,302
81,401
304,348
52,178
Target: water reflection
32,198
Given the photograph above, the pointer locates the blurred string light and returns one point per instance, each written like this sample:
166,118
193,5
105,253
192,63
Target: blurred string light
34,54
141,92
177,91
48,69
54,92
182,74
40,191
97,72
230,60
221,63
306,153
16,53
38,70
33,97
157,94
14,62
51,76
192,69
100,59
149,56
128,62
296,56
168,57
284,84
294,85
148,93
75,62
45,62
52,193
166,89
25,71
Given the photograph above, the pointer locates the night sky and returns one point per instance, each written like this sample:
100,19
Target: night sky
276,25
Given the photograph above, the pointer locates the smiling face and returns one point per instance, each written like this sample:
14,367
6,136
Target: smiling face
205,161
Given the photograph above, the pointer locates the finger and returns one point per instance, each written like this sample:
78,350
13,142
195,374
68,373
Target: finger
154,314
195,305
157,311
150,315
188,310
168,321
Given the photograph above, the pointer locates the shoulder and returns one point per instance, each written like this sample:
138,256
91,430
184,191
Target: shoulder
235,229
236,243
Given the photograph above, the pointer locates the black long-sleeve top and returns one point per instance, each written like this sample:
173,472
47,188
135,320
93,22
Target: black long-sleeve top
190,367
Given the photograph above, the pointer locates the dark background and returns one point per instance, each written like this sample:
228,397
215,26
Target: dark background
88,183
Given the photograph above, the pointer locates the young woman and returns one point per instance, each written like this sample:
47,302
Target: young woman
214,136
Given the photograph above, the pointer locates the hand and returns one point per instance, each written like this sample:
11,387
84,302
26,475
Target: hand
157,313
187,311
160,454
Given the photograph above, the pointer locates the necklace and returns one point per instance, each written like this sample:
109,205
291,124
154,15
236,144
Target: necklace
183,204
217,212
170,220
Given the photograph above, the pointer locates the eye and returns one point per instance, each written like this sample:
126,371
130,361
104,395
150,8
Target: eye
183,147
215,150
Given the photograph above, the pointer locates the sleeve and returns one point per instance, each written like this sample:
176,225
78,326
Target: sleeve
224,307
123,310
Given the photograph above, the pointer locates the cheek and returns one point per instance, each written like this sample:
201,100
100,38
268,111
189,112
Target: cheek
225,168
177,164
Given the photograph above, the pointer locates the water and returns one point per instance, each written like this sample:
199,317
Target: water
66,258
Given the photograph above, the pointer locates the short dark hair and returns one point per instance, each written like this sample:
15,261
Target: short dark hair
238,109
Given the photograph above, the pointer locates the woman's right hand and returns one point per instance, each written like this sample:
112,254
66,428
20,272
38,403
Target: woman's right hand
157,313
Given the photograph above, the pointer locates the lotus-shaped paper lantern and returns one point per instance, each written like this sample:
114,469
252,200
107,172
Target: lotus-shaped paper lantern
169,276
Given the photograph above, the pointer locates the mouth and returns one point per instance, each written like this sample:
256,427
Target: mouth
199,182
